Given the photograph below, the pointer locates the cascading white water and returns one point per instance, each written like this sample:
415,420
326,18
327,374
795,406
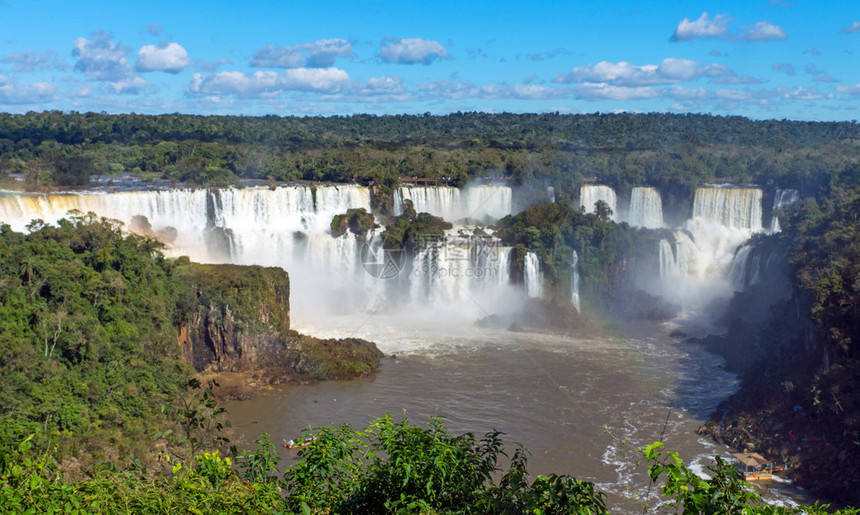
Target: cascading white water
460,267
550,194
646,208
574,282
483,202
735,208
781,199
286,226
590,194
532,275
289,227
745,273
698,266
785,197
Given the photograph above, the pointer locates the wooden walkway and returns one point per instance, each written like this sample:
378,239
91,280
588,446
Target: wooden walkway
422,181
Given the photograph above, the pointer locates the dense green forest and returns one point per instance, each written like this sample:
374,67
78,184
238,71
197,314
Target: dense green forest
92,353
674,152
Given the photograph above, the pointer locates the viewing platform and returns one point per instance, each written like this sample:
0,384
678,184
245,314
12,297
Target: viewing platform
423,181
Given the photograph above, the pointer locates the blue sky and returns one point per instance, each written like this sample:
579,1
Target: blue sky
761,58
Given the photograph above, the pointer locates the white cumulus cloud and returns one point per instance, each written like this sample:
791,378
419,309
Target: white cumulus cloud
851,29
131,85
318,54
597,91
101,58
763,31
170,58
412,51
388,85
800,93
850,90
29,61
104,60
448,89
269,83
704,27
321,80
536,92
670,71
718,27
234,83
12,92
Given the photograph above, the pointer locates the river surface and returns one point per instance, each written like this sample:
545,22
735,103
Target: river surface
578,404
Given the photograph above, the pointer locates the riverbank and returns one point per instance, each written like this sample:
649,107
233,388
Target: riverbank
805,447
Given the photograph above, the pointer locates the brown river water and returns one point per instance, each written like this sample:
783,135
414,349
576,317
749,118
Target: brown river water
578,404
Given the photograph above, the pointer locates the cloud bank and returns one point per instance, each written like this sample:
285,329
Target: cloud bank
319,54
718,27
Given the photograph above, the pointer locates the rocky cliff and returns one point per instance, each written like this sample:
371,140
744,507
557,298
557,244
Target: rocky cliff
778,411
236,319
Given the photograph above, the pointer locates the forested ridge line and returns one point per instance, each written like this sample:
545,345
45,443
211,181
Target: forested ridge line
624,150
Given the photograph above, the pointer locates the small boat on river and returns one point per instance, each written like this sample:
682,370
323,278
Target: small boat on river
753,466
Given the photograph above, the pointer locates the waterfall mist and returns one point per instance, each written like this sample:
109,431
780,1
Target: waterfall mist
463,277
460,278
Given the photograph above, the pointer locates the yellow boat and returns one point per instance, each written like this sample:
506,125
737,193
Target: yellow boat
753,466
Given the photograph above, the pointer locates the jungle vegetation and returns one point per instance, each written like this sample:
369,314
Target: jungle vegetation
673,152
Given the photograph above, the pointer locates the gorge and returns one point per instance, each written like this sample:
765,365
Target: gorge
334,295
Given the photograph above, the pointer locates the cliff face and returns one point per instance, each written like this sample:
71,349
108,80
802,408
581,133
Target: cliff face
236,319
211,339
772,343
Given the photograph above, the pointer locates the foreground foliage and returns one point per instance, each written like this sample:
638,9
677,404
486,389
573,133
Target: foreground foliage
389,467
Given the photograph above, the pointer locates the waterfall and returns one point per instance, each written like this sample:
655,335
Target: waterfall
782,198
574,282
286,226
590,194
646,208
785,197
460,267
532,275
699,264
476,202
737,208
550,194
289,227
677,260
745,271
754,263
